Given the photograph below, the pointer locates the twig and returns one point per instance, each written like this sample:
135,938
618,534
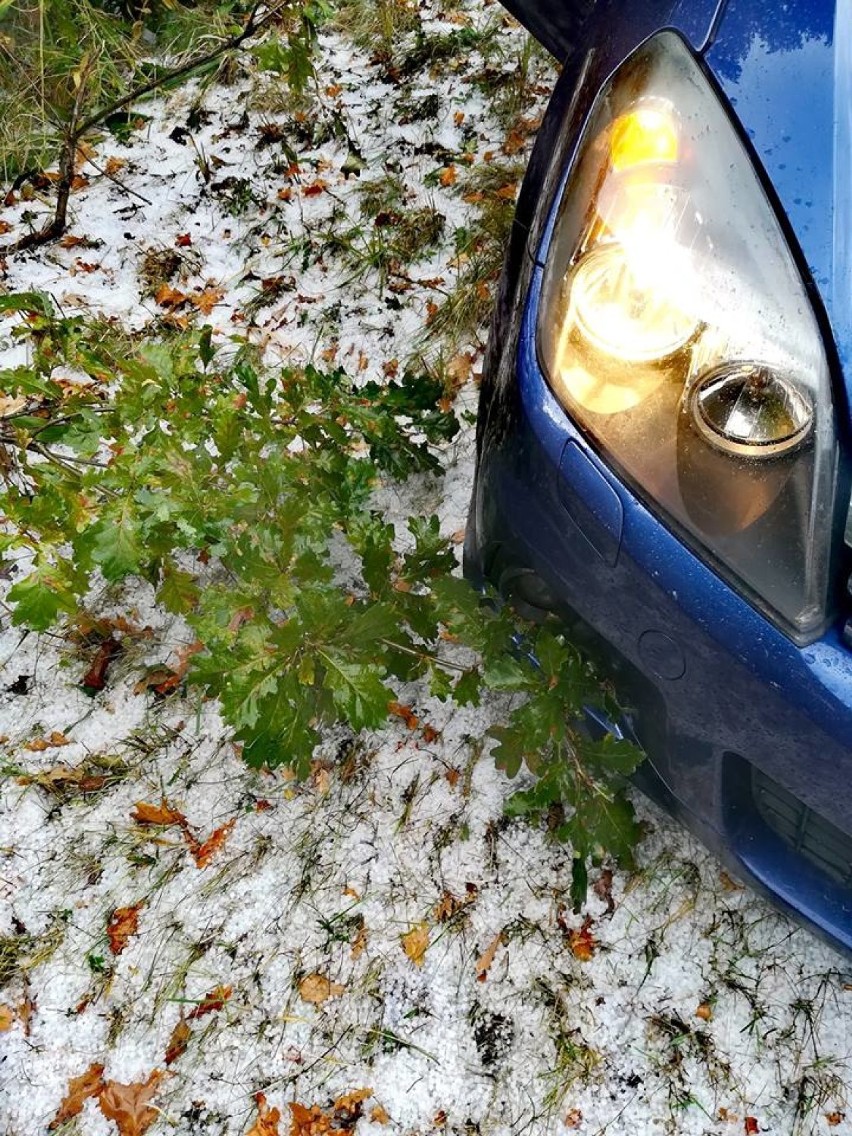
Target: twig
124,188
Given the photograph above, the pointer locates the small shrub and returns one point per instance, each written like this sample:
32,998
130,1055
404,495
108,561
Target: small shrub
245,497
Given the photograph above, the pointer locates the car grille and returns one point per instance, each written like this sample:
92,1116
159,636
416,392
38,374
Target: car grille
808,833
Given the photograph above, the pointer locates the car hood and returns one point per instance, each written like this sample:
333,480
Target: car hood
562,26
787,72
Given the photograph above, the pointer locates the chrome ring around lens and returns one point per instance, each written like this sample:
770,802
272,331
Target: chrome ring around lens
748,409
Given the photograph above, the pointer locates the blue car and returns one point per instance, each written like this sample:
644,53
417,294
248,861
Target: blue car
664,427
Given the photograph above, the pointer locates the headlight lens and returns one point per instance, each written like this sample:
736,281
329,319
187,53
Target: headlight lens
676,330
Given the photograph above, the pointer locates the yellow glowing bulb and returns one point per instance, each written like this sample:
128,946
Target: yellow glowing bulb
623,315
646,134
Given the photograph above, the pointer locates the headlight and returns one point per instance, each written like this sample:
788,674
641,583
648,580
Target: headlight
676,330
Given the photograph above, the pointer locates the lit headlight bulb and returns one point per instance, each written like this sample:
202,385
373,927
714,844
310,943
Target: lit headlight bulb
623,314
626,294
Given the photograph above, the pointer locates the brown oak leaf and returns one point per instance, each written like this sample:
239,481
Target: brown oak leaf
129,1105
162,814
88,1084
213,1000
582,942
168,297
61,778
123,923
316,988
204,852
416,942
399,710
350,1103
95,676
267,1118
308,1121
207,300
485,960
178,1041
39,745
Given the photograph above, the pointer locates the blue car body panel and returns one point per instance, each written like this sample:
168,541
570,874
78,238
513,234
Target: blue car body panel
749,736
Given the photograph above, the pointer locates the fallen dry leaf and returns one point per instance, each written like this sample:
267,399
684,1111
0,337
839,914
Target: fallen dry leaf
573,1118
835,1118
582,942
207,300
603,889
10,405
322,781
316,988
704,1011
212,1001
162,814
350,1103
459,368
430,734
114,165
309,1121
267,1118
204,853
315,188
359,943
750,1126
161,679
515,142
164,679
128,1105
5,227
508,192
123,923
7,1017
378,1115
61,778
448,176
487,957
80,1089
178,1041
54,741
168,297
95,676
449,905
416,942
399,710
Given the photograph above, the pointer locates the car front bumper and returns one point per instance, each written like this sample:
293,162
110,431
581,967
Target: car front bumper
748,736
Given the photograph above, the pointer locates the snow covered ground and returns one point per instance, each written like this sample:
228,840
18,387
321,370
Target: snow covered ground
376,949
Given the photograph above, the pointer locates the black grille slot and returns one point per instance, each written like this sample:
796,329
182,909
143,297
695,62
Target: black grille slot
805,831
